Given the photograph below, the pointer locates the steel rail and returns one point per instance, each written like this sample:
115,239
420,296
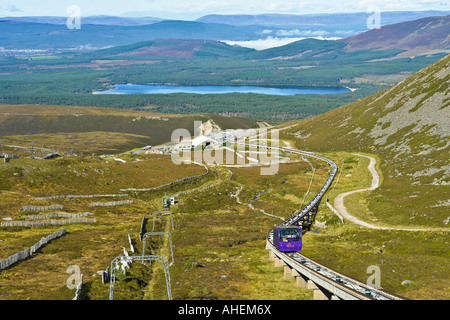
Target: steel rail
336,283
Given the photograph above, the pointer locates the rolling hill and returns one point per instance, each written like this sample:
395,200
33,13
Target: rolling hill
407,127
421,36
120,129
70,78
335,19
48,36
173,48
411,38
51,33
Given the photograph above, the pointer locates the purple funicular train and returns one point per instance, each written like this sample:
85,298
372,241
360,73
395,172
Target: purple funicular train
287,238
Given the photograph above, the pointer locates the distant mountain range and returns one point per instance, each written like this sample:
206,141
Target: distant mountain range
286,20
426,35
94,20
105,31
32,35
333,19
411,38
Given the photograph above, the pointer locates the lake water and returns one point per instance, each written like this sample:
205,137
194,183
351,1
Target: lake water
167,89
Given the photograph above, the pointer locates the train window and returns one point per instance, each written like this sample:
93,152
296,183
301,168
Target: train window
290,233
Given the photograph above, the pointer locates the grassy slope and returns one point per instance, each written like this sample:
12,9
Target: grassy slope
416,36
90,246
218,243
98,130
420,257
406,126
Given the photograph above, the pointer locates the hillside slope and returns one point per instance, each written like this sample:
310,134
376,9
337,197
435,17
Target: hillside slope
173,48
407,126
39,123
421,36
52,37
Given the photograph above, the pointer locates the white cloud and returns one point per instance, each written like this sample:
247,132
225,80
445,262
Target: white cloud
271,42
305,33
262,44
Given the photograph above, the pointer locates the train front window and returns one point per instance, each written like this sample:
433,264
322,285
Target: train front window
290,233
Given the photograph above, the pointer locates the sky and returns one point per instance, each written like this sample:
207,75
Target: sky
193,9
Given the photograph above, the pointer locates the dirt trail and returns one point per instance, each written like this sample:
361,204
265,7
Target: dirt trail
340,207
236,195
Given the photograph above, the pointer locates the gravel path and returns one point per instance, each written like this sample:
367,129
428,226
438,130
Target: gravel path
340,207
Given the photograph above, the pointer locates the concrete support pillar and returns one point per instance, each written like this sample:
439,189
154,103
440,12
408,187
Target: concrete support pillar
310,285
294,273
288,273
279,262
318,294
300,281
271,256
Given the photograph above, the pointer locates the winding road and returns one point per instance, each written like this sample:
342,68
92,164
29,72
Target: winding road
340,207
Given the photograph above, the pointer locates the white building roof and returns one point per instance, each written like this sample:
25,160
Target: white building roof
199,140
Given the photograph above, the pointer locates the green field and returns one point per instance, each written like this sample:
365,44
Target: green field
71,79
219,244
220,233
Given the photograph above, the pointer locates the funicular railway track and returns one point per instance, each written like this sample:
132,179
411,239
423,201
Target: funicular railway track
337,285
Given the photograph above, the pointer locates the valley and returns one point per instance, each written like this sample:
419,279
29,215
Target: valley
218,241
102,165
70,78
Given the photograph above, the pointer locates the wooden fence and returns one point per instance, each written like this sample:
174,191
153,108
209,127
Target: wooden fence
42,208
335,211
194,190
57,215
79,289
48,222
171,183
72,196
22,255
111,203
